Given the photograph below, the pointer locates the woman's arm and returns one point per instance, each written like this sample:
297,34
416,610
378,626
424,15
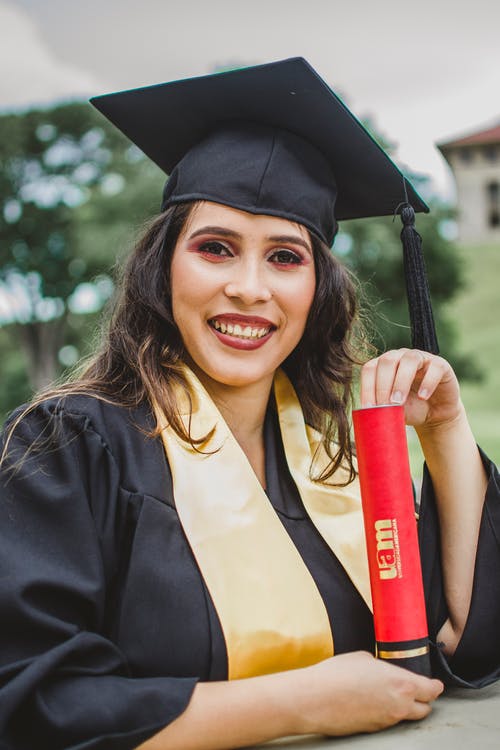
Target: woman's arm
459,482
428,388
64,680
346,694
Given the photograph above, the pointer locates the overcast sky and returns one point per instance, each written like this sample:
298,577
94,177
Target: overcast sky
426,70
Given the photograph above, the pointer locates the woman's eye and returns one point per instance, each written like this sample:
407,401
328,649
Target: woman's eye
212,247
286,258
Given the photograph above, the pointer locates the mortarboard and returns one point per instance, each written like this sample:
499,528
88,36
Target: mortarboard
274,139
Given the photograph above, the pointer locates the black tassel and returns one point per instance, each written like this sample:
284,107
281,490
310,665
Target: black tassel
423,331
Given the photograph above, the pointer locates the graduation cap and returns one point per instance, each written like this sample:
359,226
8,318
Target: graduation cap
275,139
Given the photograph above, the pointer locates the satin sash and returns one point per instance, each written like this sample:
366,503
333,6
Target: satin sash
271,613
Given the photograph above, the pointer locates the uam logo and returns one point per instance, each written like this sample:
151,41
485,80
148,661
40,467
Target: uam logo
386,552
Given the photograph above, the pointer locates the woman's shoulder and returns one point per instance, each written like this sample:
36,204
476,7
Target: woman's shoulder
88,432
65,417
82,408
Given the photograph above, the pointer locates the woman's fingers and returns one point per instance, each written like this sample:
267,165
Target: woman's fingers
426,693
396,373
389,378
412,695
368,383
355,692
384,380
427,689
435,372
419,711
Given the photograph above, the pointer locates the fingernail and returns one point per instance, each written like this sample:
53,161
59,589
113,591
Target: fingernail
423,393
397,397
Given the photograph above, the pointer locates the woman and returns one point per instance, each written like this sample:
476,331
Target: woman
158,514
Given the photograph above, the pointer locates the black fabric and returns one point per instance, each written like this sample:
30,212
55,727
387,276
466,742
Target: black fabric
261,170
476,661
423,330
167,120
106,623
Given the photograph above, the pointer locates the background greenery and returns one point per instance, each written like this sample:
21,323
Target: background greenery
476,314
477,311
73,195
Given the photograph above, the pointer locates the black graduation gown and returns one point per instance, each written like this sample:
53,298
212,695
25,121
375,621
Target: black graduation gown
106,624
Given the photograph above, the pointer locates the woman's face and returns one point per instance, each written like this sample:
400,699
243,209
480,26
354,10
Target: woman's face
242,287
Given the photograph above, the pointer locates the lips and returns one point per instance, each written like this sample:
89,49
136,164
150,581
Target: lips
244,332
241,332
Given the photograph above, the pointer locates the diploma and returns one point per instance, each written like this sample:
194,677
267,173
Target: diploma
400,620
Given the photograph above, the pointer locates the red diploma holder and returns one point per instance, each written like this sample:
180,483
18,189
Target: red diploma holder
400,619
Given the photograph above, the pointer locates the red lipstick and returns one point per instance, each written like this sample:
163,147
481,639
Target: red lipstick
245,320
233,330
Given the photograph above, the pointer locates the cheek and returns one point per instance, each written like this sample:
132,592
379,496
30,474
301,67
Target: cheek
303,298
188,288
176,292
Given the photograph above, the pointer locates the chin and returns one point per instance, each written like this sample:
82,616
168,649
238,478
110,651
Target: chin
236,377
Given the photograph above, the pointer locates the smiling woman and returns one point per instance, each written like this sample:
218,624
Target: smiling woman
241,284
181,524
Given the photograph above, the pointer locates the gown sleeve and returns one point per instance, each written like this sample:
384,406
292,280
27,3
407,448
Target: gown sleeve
476,661
63,682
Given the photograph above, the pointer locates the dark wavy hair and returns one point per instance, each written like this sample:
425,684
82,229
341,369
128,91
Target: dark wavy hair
141,356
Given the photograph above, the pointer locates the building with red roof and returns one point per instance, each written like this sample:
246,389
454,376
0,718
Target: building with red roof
475,162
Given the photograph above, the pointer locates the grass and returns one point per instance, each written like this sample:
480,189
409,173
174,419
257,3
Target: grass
477,311
477,314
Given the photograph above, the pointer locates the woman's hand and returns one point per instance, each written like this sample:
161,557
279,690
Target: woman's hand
355,692
346,694
423,382
427,387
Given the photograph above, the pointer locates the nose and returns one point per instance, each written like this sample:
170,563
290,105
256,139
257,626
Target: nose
249,282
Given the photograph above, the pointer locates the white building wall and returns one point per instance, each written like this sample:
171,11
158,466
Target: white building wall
472,176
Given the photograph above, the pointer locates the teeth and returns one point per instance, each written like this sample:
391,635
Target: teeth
237,330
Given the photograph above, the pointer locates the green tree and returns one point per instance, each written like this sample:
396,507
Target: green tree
71,190
372,249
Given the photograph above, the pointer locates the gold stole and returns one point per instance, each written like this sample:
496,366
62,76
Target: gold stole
272,615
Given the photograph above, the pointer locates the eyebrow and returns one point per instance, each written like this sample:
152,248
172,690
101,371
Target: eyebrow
231,233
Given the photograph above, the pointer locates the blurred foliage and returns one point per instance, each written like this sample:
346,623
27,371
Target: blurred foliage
372,249
15,386
74,193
